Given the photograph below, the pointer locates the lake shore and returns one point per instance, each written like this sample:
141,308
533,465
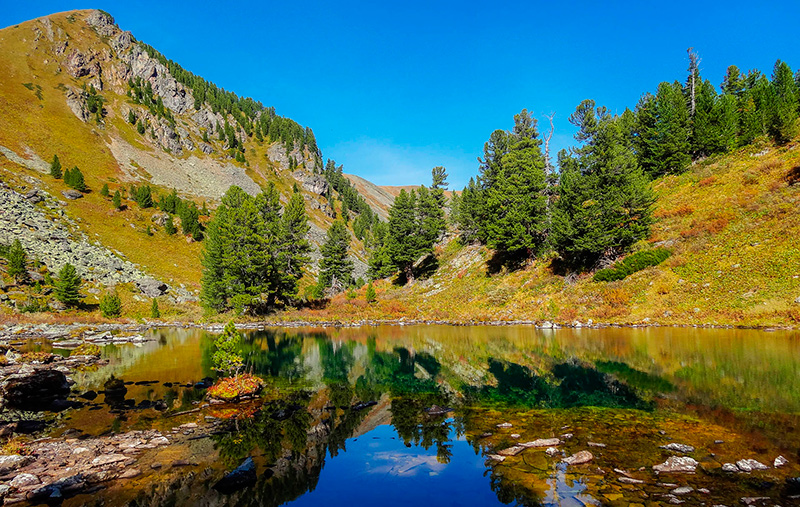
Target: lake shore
125,332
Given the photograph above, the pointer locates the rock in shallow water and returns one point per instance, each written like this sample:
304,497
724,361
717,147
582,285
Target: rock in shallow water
35,390
677,464
511,451
579,458
241,477
678,447
749,465
542,442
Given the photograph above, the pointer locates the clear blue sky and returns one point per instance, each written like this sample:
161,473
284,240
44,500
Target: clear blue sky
392,89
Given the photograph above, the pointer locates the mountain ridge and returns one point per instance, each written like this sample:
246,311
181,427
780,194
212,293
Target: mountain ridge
152,128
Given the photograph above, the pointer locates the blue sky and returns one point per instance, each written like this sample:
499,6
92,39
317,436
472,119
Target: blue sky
392,89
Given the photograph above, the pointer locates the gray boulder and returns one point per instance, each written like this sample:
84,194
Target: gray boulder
151,287
71,194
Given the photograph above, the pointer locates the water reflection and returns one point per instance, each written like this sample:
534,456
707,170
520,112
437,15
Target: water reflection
379,407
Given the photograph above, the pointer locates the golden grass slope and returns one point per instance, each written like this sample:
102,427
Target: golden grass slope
35,121
732,223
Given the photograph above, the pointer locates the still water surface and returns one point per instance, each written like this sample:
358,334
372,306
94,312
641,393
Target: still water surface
409,415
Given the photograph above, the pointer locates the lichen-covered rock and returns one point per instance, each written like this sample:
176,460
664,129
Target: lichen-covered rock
151,287
749,465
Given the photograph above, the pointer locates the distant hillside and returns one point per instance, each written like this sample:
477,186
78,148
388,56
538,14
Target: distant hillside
381,197
77,86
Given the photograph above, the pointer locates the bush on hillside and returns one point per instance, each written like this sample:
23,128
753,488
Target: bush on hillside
631,264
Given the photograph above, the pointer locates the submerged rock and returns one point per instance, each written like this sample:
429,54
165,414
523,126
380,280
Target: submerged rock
542,442
579,458
677,464
511,451
243,476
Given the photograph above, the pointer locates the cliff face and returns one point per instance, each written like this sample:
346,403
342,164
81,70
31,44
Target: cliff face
149,128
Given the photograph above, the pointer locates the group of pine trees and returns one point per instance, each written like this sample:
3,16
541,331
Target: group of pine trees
684,121
600,203
255,251
416,222
73,178
352,201
599,207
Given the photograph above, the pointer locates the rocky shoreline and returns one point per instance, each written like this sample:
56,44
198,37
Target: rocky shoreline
71,335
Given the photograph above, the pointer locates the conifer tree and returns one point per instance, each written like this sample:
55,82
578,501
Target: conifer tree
402,240
293,249
68,285
604,200
111,305
104,191
116,201
784,125
169,226
466,211
17,262
733,83
55,167
369,294
240,250
74,178
226,357
380,264
663,134
131,117
155,313
335,268
515,207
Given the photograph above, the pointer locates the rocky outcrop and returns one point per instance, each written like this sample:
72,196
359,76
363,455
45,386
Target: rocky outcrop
102,22
79,65
175,96
77,104
313,183
122,41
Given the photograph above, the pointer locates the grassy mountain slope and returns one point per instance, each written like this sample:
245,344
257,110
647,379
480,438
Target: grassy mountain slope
731,223
48,66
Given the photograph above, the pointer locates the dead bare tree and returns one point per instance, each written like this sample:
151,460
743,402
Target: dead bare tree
548,166
694,72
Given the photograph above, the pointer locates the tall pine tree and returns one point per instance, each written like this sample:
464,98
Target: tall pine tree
335,268
604,200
